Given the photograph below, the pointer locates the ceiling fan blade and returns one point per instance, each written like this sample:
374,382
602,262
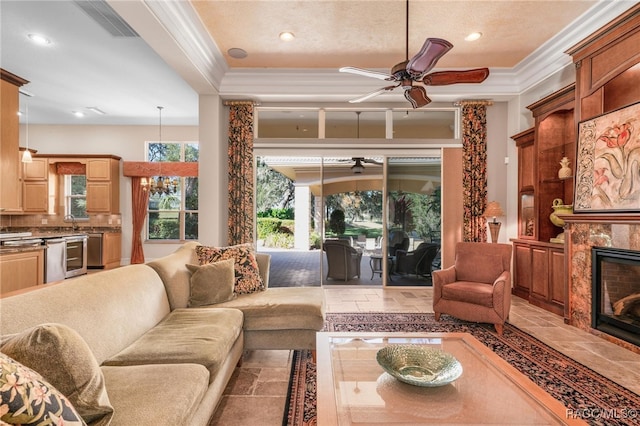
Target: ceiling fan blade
372,94
432,50
443,78
366,73
371,161
417,95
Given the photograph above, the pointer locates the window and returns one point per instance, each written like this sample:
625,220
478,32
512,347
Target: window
75,193
173,200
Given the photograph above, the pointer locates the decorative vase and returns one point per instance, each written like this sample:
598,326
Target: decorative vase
565,170
559,208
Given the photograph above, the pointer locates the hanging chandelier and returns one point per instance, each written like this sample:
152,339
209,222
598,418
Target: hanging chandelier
161,185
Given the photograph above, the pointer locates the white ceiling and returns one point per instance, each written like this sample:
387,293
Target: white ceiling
182,45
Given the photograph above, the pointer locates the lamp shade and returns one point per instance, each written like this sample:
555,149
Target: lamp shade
493,209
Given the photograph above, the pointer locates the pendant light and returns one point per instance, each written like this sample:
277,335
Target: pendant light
357,168
26,154
162,185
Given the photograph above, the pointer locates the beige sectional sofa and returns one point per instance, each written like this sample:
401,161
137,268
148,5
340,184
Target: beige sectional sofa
162,362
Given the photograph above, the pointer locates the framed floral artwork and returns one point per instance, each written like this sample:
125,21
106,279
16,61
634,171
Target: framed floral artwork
608,162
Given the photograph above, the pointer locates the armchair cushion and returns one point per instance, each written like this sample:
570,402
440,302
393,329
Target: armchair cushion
478,267
470,292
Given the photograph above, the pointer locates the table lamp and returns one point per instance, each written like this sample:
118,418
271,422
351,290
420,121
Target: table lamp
493,210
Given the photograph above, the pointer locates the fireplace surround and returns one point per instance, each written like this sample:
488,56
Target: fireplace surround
583,233
615,277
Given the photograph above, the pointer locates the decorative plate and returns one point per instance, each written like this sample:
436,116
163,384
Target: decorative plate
419,366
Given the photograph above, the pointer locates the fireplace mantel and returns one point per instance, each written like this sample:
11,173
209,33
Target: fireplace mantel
601,218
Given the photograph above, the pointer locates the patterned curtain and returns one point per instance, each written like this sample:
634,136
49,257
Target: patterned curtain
139,202
474,148
240,172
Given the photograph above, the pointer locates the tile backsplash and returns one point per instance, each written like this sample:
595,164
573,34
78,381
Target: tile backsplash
57,221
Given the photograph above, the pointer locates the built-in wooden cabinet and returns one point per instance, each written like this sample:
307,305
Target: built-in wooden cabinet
35,186
11,192
21,270
539,266
103,185
111,249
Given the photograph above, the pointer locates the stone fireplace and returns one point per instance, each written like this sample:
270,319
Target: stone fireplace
615,281
616,236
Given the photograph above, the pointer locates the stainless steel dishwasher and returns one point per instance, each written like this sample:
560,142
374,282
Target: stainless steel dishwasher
94,251
56,259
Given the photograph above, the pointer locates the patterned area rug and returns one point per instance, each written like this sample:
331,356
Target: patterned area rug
601,401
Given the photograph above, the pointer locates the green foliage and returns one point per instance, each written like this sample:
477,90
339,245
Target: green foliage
163,228
314,240
273,189
279,240
336,222
287,213
267,226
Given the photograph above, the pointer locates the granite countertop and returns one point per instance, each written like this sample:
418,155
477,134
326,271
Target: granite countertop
11,250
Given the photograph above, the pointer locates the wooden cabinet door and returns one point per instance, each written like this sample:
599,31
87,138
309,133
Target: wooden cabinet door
522,271
98,197
38,169
35,196
111,249
99,169
11,193
556,276
21,270
540,269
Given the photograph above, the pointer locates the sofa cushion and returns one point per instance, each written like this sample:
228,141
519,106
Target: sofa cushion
211,283
28,399
478,267
191,335
248,279
470,292
159,394
281,308
64,359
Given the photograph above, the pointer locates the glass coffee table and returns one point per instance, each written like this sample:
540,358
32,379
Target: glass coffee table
354,390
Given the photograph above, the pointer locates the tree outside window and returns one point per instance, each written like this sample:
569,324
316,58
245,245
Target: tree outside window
75,189
173,215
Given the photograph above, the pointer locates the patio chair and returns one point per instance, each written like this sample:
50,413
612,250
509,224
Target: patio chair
398,240
343,261
417,262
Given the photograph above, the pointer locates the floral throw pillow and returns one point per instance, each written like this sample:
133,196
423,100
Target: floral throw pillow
27,399
247,275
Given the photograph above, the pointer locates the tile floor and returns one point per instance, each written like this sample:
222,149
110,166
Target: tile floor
257,392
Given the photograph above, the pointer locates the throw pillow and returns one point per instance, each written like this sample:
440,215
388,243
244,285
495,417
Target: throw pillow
28,399
247,275
476,267
64,359
211,283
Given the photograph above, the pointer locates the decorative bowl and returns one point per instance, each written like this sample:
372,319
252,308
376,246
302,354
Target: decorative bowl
419,366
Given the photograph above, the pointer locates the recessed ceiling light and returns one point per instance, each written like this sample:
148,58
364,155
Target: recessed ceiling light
236,52
78,114
286,36
39,39
473,36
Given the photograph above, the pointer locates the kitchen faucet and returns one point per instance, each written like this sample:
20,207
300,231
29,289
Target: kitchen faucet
72,218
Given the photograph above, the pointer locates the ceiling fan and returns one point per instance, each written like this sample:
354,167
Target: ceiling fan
416,70
358,167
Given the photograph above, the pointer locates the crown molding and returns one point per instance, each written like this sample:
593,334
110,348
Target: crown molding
327,85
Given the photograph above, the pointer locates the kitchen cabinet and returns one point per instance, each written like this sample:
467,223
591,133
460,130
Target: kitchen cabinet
103,185
20,270
11,193
35,186
111,249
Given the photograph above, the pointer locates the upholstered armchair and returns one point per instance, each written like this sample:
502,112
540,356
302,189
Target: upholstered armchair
343,261
417,262
478,286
